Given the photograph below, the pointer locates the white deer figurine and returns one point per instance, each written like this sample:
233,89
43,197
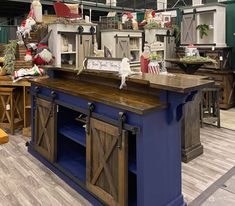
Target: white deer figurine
24,31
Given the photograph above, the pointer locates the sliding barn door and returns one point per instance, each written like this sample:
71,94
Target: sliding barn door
188,29
45,127
122,47
107,175
86,48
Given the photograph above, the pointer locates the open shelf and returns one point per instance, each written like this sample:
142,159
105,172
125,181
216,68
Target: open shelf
72,158
132,154
132,190
75,132
132,166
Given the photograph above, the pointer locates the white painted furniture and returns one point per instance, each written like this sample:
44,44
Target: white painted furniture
123,43
213,15
160,35
80,43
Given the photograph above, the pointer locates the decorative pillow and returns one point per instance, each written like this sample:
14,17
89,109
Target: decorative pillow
73,8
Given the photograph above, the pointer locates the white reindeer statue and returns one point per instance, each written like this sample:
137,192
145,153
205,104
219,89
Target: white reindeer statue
24,31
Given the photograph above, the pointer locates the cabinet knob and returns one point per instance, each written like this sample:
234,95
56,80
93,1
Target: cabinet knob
36,89
53,94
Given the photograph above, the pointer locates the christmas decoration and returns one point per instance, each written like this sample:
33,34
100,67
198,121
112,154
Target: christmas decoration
28,56
37,10
26,73
25,28
43,54
9,56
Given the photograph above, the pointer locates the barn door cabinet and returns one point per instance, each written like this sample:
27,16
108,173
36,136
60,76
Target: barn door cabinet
45,128
71,43
115,147
165,37
213,15
123,43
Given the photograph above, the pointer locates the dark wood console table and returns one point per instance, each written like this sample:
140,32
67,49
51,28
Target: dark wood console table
116,147
188,67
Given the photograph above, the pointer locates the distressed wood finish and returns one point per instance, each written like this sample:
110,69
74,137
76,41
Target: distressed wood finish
86,49
107,164
45,129
10,117
122,47
188,29
25,98
190,133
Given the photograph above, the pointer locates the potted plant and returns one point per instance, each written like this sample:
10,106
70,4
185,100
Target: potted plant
203,30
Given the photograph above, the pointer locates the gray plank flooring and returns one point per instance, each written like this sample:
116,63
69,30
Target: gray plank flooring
218,158
227,118
24,181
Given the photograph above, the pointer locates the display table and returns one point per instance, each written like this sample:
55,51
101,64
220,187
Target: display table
225,79
116,147
188,67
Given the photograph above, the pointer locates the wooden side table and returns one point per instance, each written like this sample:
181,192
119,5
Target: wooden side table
11,116
23,86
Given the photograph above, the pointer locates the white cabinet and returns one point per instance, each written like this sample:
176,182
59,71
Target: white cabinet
71,43
164,36
213,15
123,43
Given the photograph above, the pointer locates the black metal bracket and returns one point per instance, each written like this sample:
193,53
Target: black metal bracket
53,95
80,32
194,14
36,90
91,108
121,121
92,31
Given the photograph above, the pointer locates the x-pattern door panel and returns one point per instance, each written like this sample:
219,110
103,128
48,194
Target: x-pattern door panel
107,163
188,31
45,116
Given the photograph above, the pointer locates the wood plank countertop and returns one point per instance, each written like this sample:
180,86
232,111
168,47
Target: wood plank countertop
127,100
175,83
181,83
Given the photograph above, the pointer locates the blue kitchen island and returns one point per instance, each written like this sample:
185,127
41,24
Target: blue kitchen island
115,147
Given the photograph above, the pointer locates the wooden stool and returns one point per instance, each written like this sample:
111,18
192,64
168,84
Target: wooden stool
11,116
210,110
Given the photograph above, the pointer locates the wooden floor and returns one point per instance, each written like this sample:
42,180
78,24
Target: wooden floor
218,158
228,118
25,181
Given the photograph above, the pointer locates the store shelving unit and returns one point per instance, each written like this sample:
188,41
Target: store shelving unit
79,43
213,15
123,43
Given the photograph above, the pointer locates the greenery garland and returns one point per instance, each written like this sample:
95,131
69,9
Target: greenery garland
9,56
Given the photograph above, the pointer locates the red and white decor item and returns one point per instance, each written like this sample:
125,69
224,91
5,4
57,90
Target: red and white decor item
26,73
43,54
153,67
